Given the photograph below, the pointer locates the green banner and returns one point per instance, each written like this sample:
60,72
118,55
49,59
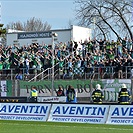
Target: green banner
9,87
77,84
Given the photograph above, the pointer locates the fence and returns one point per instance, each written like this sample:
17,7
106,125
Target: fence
67,73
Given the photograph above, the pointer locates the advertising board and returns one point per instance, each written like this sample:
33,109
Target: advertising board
122,114
24,112
78,113
52,99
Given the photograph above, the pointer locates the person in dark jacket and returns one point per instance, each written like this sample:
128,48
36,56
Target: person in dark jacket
97,95
71,95
124,96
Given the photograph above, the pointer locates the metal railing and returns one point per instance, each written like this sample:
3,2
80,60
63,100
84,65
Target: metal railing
89,73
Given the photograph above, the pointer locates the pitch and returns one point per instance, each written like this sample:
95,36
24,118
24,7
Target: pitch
56,127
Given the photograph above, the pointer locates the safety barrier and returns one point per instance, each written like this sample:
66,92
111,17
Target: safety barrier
83,88
40,99
78,113
66,73
13,99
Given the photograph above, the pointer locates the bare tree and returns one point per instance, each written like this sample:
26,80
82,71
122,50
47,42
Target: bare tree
123,11
33,24
111,15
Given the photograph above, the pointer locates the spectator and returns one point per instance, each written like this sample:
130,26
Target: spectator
120,50
1,67
60,92
40,56
19,76
27,61
101,45
129,45
120,70
124,42
71,95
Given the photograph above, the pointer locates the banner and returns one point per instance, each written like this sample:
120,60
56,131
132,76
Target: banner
82,87
115,84
29,35
52,99
6,88
3,88
122,114
24,112
76,113
80,113
111,88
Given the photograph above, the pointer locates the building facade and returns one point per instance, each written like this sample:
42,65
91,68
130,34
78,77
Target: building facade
75,33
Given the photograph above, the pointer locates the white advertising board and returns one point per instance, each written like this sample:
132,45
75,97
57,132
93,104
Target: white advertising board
78,113
52,99
24,112
122,114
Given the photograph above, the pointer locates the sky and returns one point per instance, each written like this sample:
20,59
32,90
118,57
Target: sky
57,13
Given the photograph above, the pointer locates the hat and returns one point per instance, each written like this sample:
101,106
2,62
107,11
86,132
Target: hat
98,87
123,86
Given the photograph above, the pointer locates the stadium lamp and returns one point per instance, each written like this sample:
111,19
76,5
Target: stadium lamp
54,34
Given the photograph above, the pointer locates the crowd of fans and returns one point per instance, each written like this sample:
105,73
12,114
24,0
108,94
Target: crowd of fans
92,56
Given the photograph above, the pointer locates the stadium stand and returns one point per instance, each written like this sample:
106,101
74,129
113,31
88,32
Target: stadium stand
111,60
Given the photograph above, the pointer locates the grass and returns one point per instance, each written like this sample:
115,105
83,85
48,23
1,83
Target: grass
56,127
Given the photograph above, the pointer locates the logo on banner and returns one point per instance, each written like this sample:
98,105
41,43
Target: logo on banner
121,115
35,112
79,113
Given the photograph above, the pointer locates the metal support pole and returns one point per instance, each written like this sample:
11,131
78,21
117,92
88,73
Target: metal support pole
52,64
53,57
